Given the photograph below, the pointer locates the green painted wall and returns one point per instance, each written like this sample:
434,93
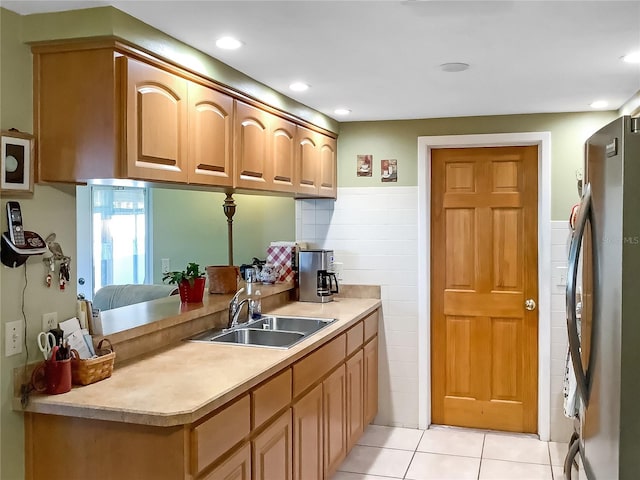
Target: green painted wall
399,140
49,210
190,226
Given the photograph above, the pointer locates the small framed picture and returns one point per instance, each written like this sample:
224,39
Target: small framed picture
365,165
16,162
389,170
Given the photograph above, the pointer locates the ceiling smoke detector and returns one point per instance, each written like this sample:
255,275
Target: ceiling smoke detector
454,67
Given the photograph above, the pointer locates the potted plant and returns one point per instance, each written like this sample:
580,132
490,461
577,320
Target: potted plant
190,283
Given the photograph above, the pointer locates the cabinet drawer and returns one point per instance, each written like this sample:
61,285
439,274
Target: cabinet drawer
271,397
354,338
371,326
316,365
215,436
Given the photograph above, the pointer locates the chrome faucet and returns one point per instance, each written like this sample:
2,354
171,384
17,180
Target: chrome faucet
235,307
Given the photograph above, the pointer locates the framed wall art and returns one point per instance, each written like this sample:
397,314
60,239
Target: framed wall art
16,162
364,166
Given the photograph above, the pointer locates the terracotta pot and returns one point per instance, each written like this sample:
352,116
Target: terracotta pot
192,293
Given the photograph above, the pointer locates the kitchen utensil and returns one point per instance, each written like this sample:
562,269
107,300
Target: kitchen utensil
46,341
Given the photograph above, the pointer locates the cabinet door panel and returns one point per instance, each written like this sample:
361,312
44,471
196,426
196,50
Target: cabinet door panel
307,436
252,146
237,467
282,162
355,399
272,451
156,124
327,165
370,380
210,127
335,438
307,145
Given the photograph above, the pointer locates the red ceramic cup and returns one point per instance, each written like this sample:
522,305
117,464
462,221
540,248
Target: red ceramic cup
52,377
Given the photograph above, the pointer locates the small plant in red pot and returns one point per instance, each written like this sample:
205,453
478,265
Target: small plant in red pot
190,283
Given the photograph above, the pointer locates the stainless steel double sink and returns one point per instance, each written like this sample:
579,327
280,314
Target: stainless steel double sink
268,331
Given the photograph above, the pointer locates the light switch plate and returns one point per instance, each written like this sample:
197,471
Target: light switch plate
13,338
166,265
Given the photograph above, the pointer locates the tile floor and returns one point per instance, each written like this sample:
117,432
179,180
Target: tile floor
384,453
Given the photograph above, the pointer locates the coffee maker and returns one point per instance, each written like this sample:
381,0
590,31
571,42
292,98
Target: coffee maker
317,282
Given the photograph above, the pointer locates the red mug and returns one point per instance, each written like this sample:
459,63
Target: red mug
52,377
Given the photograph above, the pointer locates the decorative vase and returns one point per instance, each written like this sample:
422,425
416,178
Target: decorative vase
192,293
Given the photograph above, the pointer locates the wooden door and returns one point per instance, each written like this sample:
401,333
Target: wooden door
210,136
355,398
252,146
307,155
281,174
335,438
327,164
370,380
236,467
272,450
484,266
307,436
156,122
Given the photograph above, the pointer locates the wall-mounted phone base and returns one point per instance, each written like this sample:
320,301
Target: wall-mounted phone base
13,256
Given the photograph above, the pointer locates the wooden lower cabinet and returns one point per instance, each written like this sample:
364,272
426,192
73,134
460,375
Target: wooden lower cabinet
272,451
269,433
355,398
236,467
370,380
307,436
335,432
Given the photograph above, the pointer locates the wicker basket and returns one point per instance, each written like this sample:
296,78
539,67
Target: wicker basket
223,278
91,370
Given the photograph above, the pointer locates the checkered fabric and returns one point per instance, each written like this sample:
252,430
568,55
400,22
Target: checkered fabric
282,256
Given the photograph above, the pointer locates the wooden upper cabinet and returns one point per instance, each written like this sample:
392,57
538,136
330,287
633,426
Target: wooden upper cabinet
156,123
210,136
103,112
282,158
76,117
251,147
327,166
307,150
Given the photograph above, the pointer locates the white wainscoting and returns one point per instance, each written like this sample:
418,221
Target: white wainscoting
374,233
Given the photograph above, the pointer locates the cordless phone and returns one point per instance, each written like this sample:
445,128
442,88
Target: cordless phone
14,220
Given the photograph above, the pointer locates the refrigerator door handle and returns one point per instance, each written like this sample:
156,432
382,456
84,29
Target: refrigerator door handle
572,277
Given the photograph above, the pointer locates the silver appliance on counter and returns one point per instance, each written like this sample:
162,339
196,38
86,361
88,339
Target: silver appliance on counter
317,281
605,342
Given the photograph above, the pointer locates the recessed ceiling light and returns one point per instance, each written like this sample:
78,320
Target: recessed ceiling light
454,67
342,111
599,104
633,57
298,86
228,43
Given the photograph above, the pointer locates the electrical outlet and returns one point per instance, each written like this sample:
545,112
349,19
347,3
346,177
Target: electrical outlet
166,265
13,338
49,321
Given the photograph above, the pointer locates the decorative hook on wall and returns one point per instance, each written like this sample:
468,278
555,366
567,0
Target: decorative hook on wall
50,263
579,176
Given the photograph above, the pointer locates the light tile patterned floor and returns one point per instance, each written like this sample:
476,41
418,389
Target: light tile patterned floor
443,453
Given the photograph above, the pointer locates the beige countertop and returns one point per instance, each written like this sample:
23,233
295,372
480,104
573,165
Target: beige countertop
183,382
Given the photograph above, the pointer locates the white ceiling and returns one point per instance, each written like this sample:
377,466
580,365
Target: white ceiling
381,58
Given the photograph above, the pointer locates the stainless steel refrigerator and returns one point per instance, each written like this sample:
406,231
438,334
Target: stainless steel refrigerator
604,342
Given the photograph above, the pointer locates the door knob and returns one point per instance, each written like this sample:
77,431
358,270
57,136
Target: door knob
530,304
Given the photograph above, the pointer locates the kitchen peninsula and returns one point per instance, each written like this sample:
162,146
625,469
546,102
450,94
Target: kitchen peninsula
197,410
